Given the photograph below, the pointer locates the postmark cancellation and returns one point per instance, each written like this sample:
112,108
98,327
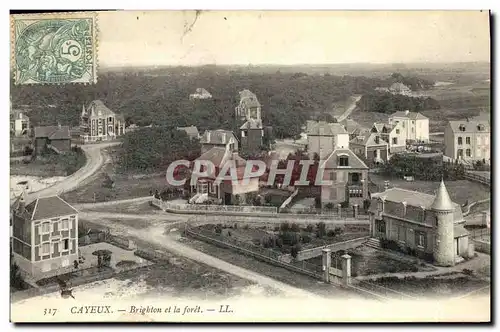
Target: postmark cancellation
58,48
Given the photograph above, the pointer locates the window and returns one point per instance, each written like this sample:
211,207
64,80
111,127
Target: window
403,124
377,140
46,248
401,234
461,127
355,193
45,227
437,221
65,224
203,188
480,127
244,133
212,188
467,153
397,131
413,122
375,154
460,141
231,146
65,244
467,140
420,239
412,129
394,140
460,153
343,161
380,205
478,140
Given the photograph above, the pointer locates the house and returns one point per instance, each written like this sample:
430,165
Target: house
324,137
349,175
219,138
226,192
371,148
19,123
352,127
468,140
248,106
55,138
44,234
430,225
252,134
415,126
393,134
200,93
99,123
400,89
191,131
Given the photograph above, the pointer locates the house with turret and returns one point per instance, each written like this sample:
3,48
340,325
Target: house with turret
99,123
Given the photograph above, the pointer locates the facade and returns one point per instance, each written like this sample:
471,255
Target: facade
323,138
19,123
468,140
219,138
99,123
349,175
55,138
248,106
252,134
371,148
191,131
430,225
393,134
227,191
415,126
400,89
44,234
200,93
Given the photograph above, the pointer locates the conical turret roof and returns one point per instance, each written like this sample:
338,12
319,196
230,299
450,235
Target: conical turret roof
442,201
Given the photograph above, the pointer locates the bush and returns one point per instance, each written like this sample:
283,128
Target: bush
330,233
245,227
295,250
338,231
306,239
295,228
329,206
344,205
285,227
309,228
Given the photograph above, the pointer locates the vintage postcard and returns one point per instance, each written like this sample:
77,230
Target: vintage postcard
250,166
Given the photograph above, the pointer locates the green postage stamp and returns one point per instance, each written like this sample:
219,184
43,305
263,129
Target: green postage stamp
57,48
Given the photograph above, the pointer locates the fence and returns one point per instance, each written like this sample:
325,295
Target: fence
481,239
478,178
315,252
266,255
190,208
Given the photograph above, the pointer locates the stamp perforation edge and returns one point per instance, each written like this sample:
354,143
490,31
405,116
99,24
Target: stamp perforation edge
93,15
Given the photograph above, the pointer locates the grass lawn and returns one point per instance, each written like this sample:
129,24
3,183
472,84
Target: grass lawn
460,191
53,165
124,187
432,286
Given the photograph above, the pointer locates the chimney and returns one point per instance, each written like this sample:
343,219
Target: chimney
407,112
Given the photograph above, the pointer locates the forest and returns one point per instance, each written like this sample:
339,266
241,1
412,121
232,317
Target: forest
386,102
161,97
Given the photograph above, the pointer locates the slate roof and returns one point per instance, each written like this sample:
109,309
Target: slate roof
470,126
191,131
322,128
409,115
379,127
218,136
49,207
218,156
350,125
100,107
252,124
53,132
368,140
249,98
413,198
331,161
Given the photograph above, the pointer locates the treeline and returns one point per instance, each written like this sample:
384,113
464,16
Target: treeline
162,98
427,169
150,149
385,102
413,82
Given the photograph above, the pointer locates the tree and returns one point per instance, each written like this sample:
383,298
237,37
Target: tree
16,280
320,229
295,250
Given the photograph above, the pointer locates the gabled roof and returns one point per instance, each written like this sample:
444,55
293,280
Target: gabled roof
248,98
470,126
18,115
218,156
53,132
322,128
99,108
331,161
350,125
218,136
252,124
409,115
369,140
191,131
49,207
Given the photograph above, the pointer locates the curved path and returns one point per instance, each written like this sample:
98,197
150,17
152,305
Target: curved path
95,160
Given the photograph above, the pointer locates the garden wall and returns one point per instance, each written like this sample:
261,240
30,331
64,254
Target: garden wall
482,246
315,252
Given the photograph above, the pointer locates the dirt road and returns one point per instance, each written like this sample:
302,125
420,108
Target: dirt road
349,109
95,160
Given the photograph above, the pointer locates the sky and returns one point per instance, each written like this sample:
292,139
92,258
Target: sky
291,37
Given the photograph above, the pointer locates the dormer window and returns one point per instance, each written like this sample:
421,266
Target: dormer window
343,161
461,127
480,127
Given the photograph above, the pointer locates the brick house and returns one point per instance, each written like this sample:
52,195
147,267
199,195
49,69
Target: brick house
55,138
226,191
44,234
371,148
432,225
349,175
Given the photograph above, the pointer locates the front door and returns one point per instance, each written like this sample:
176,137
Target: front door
379,228
227,199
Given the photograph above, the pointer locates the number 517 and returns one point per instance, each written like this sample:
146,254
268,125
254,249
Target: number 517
49,312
